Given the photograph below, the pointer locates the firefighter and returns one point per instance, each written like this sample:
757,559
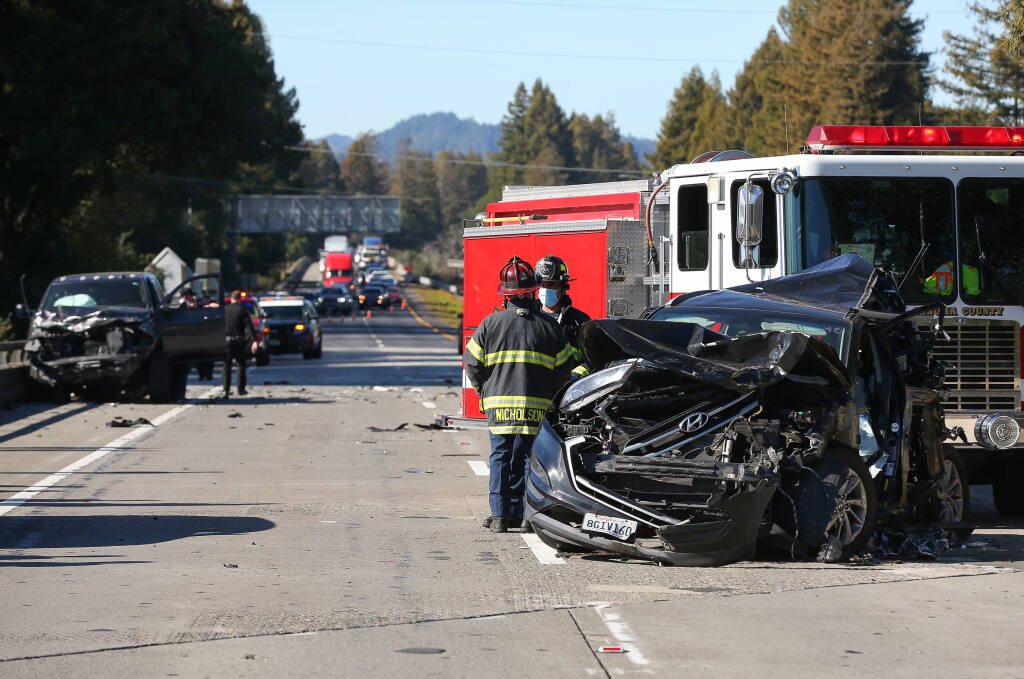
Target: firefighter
553,276
516,360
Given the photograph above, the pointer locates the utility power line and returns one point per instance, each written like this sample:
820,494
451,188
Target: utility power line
460,161
689,10
588,57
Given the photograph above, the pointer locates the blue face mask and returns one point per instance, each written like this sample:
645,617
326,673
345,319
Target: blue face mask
549,297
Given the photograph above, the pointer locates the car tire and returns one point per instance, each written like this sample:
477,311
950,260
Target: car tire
179,381
852,524
307,354
319,351
1006,488
159,377
954,493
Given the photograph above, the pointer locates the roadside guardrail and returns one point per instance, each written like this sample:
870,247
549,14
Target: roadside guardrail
14,380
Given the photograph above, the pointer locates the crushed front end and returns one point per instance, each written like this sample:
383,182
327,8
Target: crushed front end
105,347
689,446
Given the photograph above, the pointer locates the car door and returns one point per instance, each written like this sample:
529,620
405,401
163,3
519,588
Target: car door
313,320
194,332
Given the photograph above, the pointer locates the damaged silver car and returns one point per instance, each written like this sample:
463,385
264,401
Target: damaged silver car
801,412
109,335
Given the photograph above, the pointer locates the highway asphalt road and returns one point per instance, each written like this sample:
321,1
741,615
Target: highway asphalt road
313,528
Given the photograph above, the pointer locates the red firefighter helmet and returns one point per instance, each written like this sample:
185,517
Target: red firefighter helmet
517,278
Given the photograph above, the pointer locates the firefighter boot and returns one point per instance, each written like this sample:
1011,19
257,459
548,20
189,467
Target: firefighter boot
499,524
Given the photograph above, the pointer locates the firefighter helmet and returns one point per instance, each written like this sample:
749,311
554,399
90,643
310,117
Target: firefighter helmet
552,269
517,278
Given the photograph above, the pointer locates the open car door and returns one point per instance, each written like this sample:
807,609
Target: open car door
192,332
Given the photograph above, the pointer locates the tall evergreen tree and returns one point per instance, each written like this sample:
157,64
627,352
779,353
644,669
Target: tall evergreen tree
362,170
690,126
598,143
982,74
534,132
758,118
851,61
318,169
461,181
416,184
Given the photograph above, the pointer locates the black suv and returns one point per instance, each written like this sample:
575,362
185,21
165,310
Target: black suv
106,334
803,410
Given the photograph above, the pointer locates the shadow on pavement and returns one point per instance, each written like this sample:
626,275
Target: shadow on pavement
36,561
52,419
54,532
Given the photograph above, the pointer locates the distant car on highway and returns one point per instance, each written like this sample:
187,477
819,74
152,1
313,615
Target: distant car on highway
381,278
373,296
336,299
294,326
394,294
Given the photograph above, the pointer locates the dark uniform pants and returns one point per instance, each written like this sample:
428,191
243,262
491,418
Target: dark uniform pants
509,455
237,350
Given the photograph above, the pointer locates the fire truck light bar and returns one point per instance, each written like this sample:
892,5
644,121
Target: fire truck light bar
891,137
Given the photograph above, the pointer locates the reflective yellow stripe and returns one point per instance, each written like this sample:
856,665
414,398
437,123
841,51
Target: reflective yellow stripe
535,357
576,353
475,349
564,355
496,401
580,370
513,430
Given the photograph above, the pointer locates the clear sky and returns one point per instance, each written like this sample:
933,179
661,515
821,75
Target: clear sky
361,66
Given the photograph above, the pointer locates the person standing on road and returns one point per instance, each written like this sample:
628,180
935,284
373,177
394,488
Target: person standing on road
516,361
239,336
553,276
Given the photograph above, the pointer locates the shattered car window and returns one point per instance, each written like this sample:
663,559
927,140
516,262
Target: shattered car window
95,294
736,322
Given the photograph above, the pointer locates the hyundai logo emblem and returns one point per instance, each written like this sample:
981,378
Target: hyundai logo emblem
694,422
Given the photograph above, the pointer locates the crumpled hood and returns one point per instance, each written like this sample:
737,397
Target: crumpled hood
742,364
51,321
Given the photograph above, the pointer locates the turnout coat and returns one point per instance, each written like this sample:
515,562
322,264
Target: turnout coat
517,359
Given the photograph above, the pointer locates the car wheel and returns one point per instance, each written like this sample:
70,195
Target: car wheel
159,377
1006,488
179,381
954,493
307,354
849,483
319,351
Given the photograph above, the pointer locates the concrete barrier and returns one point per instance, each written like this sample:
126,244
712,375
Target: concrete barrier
423,280
14,379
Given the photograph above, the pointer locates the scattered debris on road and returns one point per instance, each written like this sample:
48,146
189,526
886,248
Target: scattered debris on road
235,414
398,428
420,471
231,565
119,421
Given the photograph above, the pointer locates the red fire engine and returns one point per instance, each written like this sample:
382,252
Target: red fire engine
947,221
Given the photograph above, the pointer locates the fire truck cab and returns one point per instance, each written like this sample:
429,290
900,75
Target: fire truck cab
940,207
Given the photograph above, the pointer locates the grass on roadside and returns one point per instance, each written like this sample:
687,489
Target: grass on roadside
444,304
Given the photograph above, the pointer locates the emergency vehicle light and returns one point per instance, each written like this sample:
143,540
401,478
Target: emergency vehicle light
912,137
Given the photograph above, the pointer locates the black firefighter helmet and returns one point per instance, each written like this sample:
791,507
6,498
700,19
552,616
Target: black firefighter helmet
517,278
551,269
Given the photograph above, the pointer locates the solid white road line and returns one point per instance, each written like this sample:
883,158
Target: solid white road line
479,467
546,555
621,631
21,497
428,404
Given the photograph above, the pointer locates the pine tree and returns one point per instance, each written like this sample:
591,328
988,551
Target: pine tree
983,75
689,125
461,181
534,132
318,169
416,184
362,170
598,144
758,118
849,62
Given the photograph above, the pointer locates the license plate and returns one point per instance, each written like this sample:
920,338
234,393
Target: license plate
622,529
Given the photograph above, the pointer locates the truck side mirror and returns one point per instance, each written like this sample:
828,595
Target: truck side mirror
749,216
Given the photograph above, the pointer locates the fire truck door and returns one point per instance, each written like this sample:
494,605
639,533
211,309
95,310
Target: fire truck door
729,255
693,208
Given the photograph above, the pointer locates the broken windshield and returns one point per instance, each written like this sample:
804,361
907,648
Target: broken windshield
84,296
735,322
991,217
883,220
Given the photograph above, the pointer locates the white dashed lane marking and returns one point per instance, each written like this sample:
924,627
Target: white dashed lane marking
479,467
546,555
621,631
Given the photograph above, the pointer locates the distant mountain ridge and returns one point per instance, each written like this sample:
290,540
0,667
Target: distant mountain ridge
438,131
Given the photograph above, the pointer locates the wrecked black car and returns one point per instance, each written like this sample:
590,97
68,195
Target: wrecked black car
801,412
108,335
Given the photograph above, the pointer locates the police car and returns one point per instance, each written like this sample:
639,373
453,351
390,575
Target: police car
294,326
